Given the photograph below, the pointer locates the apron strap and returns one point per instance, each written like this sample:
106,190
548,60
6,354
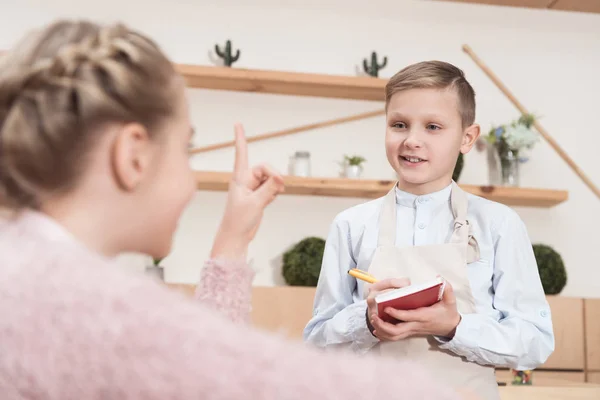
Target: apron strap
462,229
387,220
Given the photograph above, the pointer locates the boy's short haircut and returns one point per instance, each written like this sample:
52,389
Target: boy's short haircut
435,75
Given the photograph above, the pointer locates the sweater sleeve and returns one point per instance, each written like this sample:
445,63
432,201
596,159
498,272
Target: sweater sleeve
95,333
226,287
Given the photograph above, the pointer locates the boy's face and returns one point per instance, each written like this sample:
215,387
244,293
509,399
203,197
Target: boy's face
424,136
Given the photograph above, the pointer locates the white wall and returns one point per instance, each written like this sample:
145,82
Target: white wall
549,59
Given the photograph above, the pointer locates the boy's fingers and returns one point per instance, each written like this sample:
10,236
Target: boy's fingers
406,315
390,283
448,296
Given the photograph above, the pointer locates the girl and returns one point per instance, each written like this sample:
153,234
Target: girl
94,132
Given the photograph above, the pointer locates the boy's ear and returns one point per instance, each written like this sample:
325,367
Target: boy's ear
470,136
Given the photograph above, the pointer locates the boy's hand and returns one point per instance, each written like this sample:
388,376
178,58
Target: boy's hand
250,191
379,287
440,319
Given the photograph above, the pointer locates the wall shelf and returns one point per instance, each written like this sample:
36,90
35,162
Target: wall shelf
281,82
370,189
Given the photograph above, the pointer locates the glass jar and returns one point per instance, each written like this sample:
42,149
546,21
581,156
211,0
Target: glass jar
300,165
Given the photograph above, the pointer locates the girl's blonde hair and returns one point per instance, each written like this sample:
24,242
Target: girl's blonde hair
58,86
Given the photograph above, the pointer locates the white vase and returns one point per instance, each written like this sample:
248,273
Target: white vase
353,171
493,162
156,272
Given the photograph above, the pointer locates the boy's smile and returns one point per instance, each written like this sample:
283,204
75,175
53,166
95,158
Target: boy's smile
424,136
411,161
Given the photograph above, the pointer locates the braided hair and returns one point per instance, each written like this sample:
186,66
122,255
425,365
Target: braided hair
58,86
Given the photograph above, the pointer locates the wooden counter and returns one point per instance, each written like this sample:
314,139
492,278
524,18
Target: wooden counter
557,390
571,372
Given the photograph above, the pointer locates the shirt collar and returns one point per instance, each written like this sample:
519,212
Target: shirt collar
407,199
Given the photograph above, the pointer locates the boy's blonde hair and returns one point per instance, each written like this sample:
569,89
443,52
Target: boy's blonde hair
435,75
58,86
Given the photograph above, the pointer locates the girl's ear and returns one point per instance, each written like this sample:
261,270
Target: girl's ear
131,155
470,136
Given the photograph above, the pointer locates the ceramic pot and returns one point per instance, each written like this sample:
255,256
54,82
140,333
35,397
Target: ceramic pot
352,171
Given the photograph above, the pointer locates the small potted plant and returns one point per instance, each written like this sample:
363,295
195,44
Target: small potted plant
551,268
302,263
156,270
353,166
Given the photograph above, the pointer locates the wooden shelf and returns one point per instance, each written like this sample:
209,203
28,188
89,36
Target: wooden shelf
280,82
363,188
588,6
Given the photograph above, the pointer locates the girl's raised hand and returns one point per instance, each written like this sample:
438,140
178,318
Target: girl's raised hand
251,190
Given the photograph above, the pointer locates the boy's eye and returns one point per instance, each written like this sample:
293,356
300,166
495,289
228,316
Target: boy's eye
399,125
433,127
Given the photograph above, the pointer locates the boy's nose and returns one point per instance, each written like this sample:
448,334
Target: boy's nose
413,140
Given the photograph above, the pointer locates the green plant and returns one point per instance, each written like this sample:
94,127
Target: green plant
226,54
157,261
354,160
460,163
551,268
374,68
302,263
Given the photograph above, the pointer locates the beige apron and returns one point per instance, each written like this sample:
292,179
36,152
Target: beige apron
422,263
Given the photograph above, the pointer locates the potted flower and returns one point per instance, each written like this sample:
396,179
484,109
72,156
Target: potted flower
510,142
353,166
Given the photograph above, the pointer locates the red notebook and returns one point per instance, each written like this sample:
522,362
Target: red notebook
409,298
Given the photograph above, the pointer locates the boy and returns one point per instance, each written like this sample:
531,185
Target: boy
494,312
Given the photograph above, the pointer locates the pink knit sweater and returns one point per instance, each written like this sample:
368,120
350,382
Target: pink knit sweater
75,326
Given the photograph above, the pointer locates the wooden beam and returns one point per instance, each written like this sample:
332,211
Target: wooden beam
507,3
290,131
549,139
589,6
370,189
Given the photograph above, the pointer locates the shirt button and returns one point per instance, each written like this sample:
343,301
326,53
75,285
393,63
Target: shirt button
544,313
421,225
422,199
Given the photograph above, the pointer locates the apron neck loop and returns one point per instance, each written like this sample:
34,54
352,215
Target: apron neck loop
459,204
387,220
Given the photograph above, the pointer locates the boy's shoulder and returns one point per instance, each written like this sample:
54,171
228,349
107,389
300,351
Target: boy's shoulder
492,214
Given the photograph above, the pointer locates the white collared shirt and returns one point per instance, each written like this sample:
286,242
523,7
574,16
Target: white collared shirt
512,326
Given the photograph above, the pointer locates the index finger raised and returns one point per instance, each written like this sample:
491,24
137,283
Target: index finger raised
241,153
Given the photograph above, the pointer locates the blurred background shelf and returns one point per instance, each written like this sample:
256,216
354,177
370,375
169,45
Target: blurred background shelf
281,82
370,189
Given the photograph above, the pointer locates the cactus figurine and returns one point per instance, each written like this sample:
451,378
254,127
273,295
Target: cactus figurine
226,54
374,68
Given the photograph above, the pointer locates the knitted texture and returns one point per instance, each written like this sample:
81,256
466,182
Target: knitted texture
75,326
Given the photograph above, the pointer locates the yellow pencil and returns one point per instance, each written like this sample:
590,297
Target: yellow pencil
362,275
